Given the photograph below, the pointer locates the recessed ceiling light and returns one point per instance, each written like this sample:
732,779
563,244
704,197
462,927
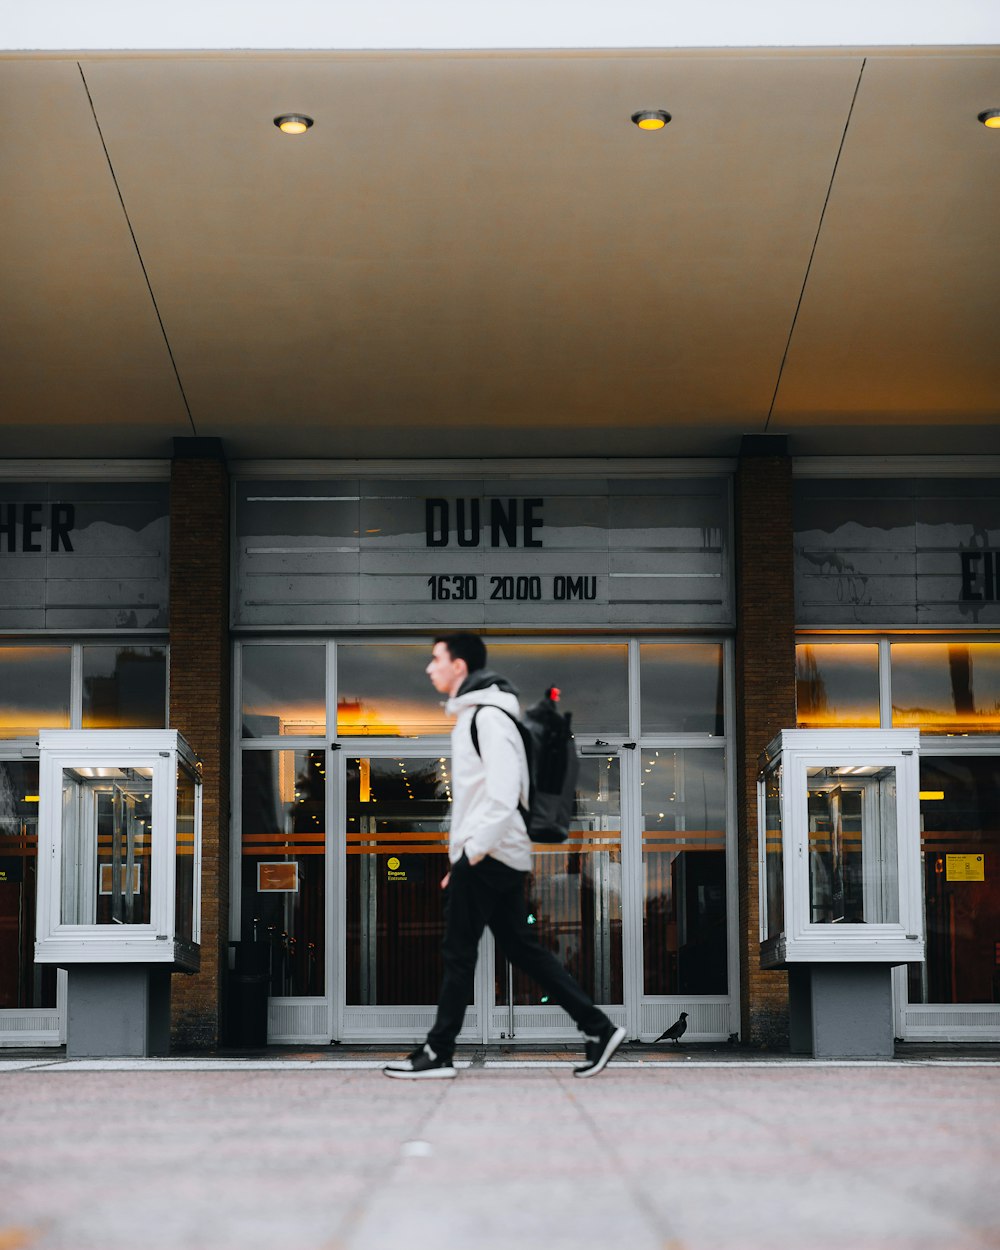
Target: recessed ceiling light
293,123
651,119
991,118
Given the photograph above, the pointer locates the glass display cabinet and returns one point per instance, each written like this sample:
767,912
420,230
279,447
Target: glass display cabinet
119,880
840,885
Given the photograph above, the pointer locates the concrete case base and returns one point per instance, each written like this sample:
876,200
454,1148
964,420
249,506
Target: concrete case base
841,1011
116,1010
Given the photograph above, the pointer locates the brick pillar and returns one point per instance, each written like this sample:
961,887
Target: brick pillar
765,695
200,705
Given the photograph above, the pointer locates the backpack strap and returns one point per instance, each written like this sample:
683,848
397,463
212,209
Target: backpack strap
474,734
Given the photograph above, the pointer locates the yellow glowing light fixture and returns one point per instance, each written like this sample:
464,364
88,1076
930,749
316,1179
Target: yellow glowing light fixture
293,123
991,118
928,795
651,119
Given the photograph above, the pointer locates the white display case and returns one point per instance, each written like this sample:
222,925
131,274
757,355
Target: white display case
119,849
839,848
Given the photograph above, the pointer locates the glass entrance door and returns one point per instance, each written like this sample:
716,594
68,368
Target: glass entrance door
574,900
955,994
396,809
28,991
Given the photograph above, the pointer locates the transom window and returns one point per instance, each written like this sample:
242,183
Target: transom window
949,686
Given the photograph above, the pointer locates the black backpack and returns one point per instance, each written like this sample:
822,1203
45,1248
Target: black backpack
553,766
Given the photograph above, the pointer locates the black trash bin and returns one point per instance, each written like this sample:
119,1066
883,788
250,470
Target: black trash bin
249,985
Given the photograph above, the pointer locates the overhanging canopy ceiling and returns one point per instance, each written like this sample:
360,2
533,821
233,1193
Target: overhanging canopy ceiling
478,254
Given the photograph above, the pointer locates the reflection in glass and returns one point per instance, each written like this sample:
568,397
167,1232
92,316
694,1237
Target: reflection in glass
853,861
960,845
684,872
574,894
284,690
950,688
682,688
837,684
106,843
22,982
284,853
593,679
397,854
34,690
383,690
184,867
774,867
124,687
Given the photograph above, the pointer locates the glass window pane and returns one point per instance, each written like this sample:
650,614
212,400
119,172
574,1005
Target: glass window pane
593,679
950,688
383,691
124,687
837,684
397,855
853,861
22,982
684,872
774,864
682,688
184,868
283,878
34,690
284,690
960,844
106,846
574,894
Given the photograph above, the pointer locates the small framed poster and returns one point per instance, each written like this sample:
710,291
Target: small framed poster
278,878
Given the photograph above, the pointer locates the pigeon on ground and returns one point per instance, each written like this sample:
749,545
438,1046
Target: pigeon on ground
676,1030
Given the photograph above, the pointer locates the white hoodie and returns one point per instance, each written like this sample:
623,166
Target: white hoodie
487,788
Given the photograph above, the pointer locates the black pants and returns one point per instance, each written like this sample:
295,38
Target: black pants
493,894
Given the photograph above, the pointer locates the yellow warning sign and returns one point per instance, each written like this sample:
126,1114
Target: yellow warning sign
966,868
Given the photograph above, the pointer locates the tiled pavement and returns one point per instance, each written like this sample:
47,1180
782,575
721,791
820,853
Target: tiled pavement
310,1149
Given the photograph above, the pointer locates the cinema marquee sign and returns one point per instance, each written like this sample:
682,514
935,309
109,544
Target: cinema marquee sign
897,552
83,555
577,551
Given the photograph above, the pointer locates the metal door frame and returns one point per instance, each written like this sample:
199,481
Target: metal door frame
32,1026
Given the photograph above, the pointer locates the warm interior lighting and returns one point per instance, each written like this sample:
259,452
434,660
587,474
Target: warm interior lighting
991,118
293,123
651,119
927,795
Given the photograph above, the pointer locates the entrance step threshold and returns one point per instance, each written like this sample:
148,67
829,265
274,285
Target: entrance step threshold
632,1056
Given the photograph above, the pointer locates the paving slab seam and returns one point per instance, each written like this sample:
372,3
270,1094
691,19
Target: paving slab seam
605,1144
383,1179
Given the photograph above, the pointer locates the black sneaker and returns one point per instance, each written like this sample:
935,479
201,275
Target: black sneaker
599,1050
420,1064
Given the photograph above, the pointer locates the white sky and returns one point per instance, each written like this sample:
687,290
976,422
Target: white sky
353,24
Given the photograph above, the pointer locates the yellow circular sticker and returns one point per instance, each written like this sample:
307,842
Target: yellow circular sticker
393,863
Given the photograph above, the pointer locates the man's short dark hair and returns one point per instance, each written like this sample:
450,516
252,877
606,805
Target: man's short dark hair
467,647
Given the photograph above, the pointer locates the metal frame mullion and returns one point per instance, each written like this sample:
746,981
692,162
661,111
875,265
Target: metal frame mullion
884,683
631,852
629,763
76,686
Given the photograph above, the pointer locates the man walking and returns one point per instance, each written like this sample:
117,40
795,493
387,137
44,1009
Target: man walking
490,856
